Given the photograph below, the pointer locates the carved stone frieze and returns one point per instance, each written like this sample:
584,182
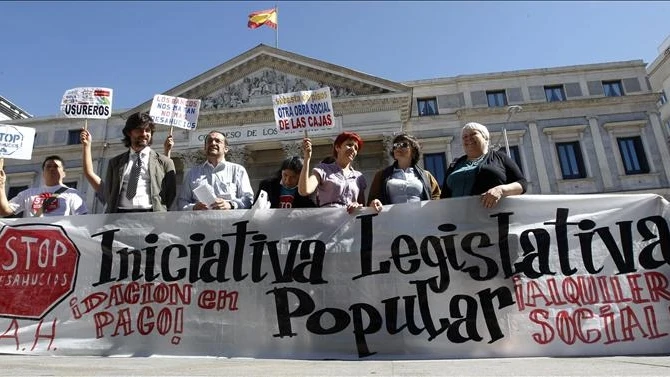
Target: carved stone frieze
264,83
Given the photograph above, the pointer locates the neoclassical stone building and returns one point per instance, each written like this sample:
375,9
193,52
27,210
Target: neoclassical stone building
578,129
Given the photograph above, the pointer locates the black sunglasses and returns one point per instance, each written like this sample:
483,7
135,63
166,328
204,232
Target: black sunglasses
403,145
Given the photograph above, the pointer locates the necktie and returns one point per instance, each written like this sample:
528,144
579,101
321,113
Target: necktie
134,177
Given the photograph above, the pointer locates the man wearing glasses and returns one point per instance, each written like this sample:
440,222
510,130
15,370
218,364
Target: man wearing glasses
216,184
51,199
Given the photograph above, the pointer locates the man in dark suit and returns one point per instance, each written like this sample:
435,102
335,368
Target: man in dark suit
139,180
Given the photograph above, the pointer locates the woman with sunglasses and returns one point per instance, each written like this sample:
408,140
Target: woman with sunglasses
403,181
482,171
337,184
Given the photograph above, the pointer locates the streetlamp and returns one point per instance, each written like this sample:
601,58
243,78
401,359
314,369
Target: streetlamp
511,110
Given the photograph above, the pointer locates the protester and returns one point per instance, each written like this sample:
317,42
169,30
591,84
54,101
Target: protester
228,181
482,171
337,184
51,199
403,181
282,189
139,180
87,161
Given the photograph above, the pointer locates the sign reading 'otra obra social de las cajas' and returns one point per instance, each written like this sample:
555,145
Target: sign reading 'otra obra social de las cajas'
87,103
308,110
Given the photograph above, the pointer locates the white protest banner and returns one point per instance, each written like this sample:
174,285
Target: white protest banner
554,275
87,103
175,111
308,110
16,142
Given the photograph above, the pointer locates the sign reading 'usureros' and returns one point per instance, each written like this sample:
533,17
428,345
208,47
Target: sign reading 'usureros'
38,268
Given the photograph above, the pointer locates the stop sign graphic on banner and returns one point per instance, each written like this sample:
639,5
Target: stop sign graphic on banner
38,269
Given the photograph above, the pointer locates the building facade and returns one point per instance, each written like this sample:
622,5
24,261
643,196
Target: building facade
573,130
659,79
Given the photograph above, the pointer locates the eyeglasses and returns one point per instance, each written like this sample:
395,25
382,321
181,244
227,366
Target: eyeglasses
403,145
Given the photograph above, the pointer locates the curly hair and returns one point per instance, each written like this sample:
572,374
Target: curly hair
138,120
415,147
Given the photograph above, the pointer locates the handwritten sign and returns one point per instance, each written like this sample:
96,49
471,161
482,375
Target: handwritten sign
175,111
87,103
16,142
308,110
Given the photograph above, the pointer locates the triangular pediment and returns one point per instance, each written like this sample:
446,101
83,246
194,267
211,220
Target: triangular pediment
248,81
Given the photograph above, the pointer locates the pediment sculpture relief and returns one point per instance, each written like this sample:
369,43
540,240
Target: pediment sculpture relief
264,83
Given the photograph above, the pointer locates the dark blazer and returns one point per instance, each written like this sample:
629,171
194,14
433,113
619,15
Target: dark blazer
496,169
162,188
273,187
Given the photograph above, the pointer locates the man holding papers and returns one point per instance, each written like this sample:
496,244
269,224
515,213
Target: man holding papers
217,183
52,199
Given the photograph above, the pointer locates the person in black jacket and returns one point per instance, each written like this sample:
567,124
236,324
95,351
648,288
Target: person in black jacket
282,189
482,171
403,181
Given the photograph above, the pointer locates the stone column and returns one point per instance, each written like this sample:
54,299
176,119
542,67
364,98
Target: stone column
292,148
660,141
538,155
238,154
387,143
190,158
600,153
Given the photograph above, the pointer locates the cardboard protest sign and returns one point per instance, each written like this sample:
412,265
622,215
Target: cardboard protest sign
175,111
87,103
308,110
16,142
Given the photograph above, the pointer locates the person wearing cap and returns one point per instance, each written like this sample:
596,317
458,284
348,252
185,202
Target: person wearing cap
482,171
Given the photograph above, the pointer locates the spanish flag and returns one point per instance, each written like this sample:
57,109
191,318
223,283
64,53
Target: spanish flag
263,17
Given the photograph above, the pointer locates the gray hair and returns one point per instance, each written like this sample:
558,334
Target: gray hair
477,127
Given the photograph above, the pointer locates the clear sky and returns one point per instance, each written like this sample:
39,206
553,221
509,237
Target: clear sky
143,48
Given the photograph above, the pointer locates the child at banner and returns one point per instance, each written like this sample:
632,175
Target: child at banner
337,184
403,181
282,189
51,199
482,171
87,161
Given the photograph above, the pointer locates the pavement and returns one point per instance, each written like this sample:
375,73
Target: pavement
207,366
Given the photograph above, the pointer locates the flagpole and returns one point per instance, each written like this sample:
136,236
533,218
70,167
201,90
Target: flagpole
277,29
